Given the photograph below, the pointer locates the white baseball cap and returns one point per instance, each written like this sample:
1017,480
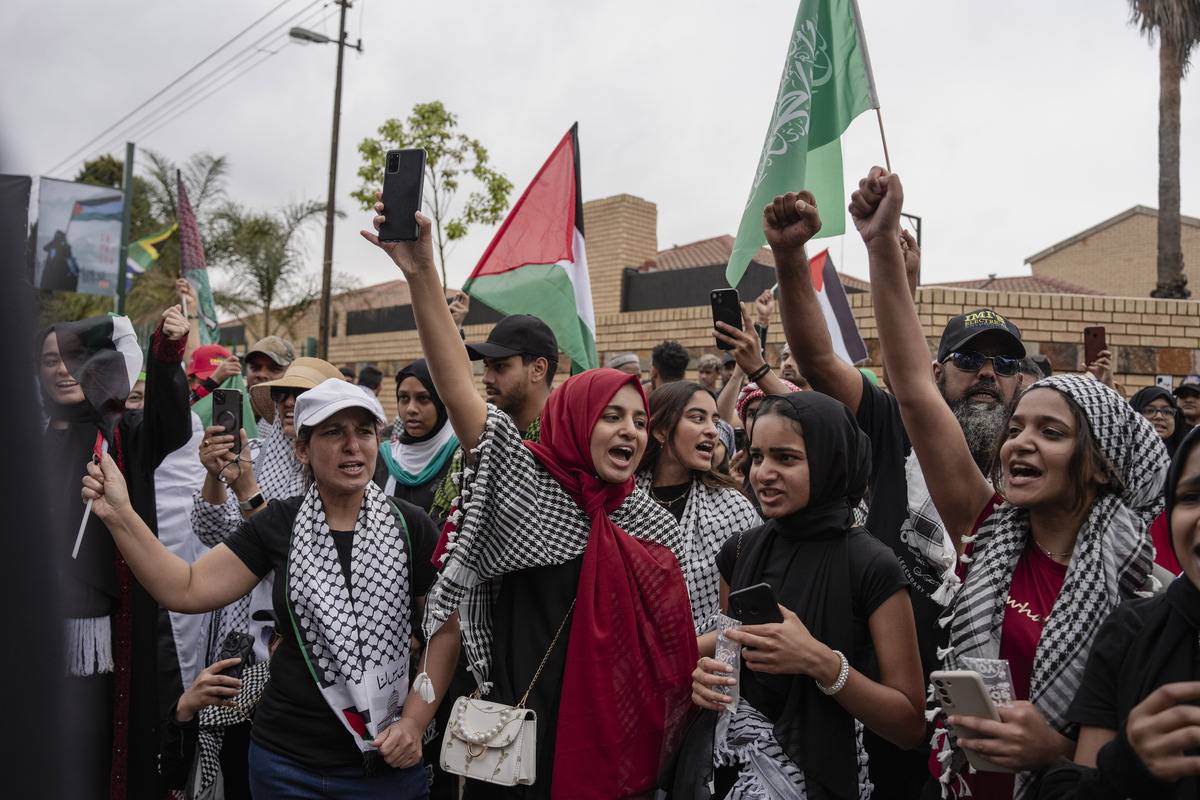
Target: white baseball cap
331,396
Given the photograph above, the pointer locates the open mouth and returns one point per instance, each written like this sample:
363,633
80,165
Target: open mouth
1021,473
351,468
769,494
490,391
67,384
622,455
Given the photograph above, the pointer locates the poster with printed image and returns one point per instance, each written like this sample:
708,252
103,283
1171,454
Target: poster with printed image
79,237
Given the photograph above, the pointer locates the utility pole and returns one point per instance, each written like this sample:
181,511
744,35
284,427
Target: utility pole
127,207
327,264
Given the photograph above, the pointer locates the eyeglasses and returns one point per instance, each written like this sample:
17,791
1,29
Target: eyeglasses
282,393
1150,412
973,362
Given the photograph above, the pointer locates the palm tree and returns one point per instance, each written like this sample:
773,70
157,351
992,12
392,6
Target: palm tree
1177,24
262,254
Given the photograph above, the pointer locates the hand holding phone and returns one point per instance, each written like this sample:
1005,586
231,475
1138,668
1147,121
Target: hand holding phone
962,692
1094,342
237,645
727,308
403,185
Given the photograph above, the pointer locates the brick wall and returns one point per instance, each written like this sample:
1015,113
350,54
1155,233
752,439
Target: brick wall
1121,259
620,231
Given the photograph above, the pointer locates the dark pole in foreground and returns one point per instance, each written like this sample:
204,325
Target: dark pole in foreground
327,264
126,209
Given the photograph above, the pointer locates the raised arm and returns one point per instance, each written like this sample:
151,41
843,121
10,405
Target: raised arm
440,340
166,417
958,489
748,353
215,580
789,222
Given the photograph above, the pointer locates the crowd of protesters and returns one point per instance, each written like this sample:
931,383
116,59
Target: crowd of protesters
532,592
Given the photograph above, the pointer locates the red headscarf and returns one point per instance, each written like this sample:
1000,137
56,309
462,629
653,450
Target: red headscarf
627,683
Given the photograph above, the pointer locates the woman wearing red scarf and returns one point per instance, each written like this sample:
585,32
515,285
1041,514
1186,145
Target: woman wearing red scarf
563,572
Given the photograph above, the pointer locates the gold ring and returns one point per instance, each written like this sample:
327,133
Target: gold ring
206,442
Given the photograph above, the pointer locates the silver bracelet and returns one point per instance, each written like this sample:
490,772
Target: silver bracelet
843,674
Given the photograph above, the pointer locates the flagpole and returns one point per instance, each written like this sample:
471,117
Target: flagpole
127,205
887,160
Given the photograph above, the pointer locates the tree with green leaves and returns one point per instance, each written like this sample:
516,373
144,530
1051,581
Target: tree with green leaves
1176,23
450,155
261,255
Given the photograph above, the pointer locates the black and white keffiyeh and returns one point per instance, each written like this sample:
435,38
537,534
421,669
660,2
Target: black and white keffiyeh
710,517
925,534
766,772
355,639
206,773
512,515
1112,560
279,477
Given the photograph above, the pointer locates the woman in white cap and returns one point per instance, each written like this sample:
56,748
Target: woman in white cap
351,568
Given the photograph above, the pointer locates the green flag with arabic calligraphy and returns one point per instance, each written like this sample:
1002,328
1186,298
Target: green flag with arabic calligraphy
826,83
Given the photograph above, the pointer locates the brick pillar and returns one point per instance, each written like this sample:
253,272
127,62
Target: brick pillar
620,231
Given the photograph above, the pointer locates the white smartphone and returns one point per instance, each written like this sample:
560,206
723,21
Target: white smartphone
962,692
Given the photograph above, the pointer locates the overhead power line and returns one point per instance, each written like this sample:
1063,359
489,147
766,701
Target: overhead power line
233,68
84,148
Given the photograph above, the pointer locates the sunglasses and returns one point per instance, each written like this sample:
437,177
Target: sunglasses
281,393
973,362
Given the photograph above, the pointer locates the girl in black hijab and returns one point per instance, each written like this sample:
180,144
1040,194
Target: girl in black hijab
1136,704
414,461
845,655
1158,405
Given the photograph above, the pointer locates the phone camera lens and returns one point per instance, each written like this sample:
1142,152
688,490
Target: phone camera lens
393,162
218,396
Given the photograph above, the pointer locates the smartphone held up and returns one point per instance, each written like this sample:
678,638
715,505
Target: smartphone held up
403,185
727,308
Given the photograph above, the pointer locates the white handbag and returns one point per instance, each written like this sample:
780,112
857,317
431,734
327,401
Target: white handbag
492,742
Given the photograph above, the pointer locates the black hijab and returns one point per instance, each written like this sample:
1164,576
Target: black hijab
419,369
805,558
1148,395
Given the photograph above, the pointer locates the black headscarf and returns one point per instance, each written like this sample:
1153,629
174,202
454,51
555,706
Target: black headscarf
805,558
419,369
1148,395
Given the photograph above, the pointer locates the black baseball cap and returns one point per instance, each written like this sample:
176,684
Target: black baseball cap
517,335
965,328
1189,384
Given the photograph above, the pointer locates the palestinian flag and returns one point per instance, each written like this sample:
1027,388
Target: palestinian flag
192,264
839,319
99,208
536,264
143,252
103,354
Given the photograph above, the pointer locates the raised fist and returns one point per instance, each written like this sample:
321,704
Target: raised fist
876,205
791,220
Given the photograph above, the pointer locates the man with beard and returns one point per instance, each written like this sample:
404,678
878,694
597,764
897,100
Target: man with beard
519,359
976,370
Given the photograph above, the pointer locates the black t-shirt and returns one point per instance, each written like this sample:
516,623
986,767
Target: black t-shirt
292,718
875,576
879,417
1097,701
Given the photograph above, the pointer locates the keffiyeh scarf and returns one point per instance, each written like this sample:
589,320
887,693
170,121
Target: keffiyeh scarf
710,517
213,722
1112,559
355,639
766,772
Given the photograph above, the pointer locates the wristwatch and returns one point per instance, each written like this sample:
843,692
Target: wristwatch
252,503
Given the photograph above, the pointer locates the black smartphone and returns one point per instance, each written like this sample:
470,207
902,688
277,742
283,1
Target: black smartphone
237,645
740,442
1095,339
755,605
727,308
227,412
403,184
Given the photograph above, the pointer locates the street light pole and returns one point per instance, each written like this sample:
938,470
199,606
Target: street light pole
327,264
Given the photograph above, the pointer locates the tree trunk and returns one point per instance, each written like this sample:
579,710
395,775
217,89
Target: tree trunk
1172,283
267,319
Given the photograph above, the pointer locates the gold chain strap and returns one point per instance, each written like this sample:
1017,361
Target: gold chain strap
545,658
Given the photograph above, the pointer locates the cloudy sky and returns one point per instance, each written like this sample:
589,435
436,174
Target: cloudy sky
1014,125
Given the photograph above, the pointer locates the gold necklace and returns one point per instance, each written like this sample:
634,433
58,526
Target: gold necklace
668,503
1048,553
